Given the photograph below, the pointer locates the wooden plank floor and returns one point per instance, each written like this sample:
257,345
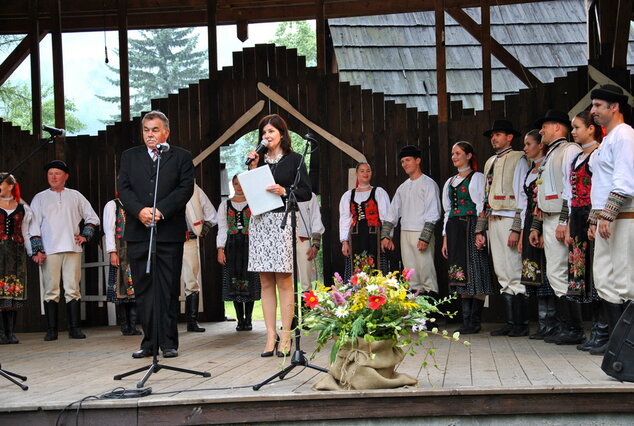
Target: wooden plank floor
65,370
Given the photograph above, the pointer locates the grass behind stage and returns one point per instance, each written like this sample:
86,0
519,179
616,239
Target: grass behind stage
230,311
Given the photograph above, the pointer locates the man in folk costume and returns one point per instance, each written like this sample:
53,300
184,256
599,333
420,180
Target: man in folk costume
201,216
612,215
56,244
416,204
309,231
504,173
553,211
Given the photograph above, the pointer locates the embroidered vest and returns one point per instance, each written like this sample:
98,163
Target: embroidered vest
368,210
550,183
237,221
11,226
461,202
580,182
119,223
500,189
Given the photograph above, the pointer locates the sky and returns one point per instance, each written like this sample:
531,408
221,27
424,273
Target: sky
85,70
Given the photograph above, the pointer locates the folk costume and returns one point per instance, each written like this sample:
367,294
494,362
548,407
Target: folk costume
14,231
534,264
360,216
201,216
309,231
612,198
504,174
270,246
468,267
56,219
553,209
120,289
416,204
238,284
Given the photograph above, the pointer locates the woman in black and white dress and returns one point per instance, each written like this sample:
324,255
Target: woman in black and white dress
270,246
360,213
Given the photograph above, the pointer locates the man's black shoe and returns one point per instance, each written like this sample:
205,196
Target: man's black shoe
170,353
142,353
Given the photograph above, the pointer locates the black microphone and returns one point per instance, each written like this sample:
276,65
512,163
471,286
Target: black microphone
259,150
53,131
310,138
163,147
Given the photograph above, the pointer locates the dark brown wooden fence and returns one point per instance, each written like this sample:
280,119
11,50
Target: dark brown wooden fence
364,119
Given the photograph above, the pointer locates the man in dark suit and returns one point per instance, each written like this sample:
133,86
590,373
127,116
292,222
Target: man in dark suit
136,191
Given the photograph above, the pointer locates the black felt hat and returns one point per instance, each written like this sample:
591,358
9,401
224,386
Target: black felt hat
57,164
501,125
409,151
609,93
555,115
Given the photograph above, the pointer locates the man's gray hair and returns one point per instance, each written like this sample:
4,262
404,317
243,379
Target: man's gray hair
157,114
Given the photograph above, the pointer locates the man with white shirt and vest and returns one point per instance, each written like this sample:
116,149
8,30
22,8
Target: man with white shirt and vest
201,216
612,215
309,231
504,173
416,204
553,209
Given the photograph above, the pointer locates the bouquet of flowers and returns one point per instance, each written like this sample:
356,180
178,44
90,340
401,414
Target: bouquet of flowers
373,307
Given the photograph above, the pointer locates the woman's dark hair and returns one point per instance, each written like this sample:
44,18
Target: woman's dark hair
10,180
468,149
363,163
588,120
538,137
234,177
281,126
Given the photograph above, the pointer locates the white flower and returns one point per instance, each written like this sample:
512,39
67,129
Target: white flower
420,326
372,287
362,276
392,282
341,311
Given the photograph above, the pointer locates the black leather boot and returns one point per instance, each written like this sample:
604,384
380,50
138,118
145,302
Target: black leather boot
50,310
612,312
239,307
476,314
508,301
132,317
74,320
8,318
600,334
248,312
467,304
3,337
122,318
191,312
542,315
574,330
564,319
520,308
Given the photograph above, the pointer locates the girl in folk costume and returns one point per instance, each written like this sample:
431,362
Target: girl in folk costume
533,258
360,212
238,285
462,199
120,289
581,250
16,216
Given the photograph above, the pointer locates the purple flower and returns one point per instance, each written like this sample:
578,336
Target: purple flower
338,278
337,297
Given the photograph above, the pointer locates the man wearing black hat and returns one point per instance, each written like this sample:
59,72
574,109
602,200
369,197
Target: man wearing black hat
554,171
612,216
56,243
417,205
504,174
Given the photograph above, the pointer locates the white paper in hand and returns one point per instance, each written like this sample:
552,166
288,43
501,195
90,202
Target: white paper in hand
253,183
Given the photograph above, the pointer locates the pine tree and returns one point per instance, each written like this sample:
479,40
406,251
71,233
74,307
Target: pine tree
161,62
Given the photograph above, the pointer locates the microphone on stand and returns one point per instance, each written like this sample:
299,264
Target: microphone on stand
163,147
259,150
54,131
310,138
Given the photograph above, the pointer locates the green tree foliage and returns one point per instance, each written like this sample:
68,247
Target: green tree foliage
298,35
161,62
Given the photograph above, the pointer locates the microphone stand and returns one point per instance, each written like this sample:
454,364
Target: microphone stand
4,373
155,367
298,358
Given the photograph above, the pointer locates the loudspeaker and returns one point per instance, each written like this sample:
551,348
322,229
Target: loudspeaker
618,361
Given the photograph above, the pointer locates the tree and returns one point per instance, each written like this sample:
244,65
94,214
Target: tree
298,35
161,62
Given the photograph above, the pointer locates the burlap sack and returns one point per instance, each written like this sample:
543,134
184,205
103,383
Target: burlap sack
355,369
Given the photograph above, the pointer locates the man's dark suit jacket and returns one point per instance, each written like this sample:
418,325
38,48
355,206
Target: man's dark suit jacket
136,191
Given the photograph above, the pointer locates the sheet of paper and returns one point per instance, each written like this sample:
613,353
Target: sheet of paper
253,183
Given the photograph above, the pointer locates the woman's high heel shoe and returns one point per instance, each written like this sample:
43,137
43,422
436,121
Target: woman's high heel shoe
270,353
283,353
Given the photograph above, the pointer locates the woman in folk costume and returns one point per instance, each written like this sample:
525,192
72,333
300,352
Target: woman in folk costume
533,258
16,216
120,289
581,250
360,212
238,285
468,267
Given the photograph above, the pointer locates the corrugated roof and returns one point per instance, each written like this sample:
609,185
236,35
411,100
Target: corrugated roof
396,54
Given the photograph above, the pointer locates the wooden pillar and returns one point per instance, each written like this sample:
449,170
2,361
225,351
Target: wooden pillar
36,80
124,61
58,74
320,24
441,82
212,39
487,91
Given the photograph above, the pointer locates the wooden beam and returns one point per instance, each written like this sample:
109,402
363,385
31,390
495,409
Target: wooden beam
58,76
621,26
212,39
503,55
485,34
242,31
36,80
441,63
124,62
320,28
16,57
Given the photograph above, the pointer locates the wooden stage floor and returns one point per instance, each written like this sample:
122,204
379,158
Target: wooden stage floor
495,375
